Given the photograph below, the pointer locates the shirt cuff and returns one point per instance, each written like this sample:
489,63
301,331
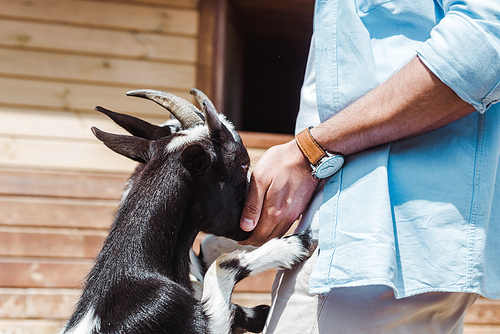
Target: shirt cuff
466,57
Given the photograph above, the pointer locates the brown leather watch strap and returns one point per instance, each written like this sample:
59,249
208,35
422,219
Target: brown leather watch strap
309,147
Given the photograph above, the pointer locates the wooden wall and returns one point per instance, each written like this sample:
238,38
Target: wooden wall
59,186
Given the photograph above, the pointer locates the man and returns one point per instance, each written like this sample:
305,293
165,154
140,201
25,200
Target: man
408,229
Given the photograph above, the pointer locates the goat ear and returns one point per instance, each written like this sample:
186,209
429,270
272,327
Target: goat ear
195,159
136,126
134,148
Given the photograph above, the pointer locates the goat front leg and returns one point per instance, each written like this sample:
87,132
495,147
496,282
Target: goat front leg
228,269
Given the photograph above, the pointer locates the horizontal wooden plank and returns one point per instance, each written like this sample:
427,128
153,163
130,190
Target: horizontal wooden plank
105,14
63,184
251,299
263,140
53,212
473,329
34,94
33,123
484,311
98,70
63,38
50,243
42,273
180,3
30,326
37,303
61,154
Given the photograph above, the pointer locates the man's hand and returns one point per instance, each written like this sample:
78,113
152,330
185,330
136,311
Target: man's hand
280,189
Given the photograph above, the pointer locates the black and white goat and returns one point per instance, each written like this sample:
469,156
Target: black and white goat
191,178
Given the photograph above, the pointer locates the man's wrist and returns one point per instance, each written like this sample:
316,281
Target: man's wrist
309,146
323,164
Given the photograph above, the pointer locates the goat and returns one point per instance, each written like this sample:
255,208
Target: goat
192,176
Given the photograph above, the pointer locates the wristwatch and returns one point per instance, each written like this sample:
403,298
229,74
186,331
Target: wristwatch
324,164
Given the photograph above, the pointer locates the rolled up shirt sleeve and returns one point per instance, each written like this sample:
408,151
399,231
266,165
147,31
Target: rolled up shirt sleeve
464,51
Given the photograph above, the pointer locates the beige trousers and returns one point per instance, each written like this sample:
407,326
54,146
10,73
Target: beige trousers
358,310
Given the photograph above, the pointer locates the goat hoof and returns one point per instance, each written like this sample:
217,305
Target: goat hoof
309,244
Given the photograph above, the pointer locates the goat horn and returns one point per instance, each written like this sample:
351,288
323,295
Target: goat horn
201,97
213,122
185,112
211,115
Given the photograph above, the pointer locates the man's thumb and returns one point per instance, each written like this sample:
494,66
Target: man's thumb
252,209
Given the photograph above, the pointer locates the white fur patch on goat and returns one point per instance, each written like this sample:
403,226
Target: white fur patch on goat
126,190
87,324
217,288
228,125
186,137
196,274
196,133
276,253
173,124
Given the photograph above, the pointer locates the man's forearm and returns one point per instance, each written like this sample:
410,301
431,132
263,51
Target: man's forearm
411,102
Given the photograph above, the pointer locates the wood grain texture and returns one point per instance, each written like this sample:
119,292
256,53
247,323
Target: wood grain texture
106,14
95,70
30,326
484,312
32,96
37,303
62,184
50,243
42,273
53,212
193,4
86,40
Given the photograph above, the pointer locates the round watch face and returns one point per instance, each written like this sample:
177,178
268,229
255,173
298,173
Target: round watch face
329,166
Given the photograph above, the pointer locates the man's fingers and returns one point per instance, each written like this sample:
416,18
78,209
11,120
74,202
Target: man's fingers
280,188
274,220
253,207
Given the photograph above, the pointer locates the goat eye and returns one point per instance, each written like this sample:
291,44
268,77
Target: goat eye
245,167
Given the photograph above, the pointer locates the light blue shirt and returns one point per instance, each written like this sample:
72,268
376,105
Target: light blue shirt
421,214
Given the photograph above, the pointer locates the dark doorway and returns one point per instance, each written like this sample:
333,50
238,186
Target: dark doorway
267,43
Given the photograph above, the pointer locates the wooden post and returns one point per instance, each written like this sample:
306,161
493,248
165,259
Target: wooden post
211,49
